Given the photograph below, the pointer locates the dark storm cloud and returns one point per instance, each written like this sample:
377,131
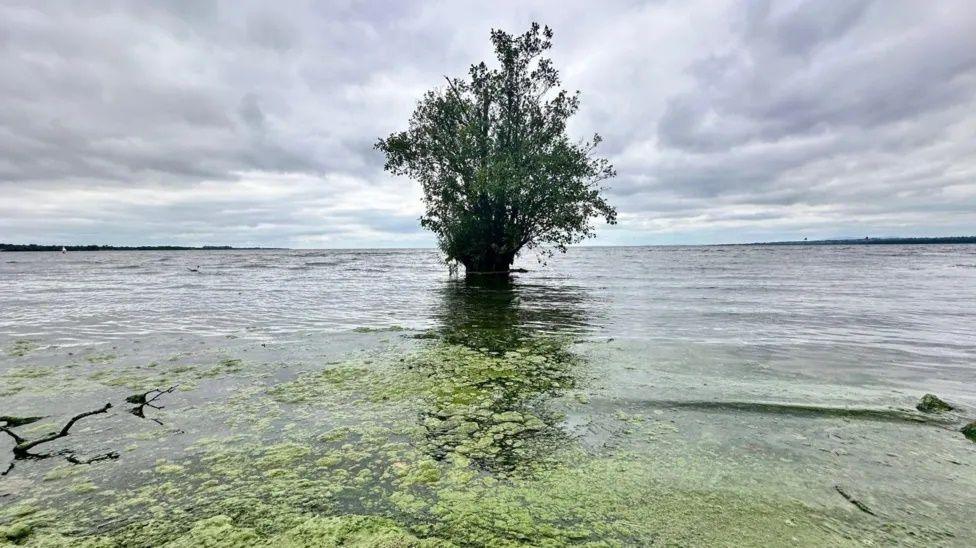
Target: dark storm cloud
253,123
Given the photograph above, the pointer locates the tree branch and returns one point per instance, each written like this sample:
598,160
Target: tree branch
144,399
457,96
17,439
24,446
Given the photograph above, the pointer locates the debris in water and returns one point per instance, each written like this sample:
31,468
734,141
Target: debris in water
23,445
860,505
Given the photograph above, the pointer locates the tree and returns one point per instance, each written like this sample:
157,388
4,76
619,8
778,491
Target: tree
498,171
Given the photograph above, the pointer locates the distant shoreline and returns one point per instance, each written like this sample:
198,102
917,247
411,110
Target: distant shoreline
877,241
36,247
862,241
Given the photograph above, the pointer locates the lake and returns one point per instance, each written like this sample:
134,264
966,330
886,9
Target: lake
743,395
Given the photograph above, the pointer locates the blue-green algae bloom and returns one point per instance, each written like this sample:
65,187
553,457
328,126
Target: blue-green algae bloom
481,432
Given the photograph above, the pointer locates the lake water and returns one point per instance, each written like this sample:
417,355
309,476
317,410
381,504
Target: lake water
697,395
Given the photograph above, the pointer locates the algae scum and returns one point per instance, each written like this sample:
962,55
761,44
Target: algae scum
487,430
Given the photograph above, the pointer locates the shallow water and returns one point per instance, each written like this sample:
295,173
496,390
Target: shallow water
689,395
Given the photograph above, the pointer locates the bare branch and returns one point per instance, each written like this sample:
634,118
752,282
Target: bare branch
453,87
24,446
79,416
144,400
17,439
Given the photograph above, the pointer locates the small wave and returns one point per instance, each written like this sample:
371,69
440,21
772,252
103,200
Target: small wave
126,267
965,266
322,263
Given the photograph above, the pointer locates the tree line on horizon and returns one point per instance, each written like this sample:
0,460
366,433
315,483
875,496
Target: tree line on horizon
880,241
93,247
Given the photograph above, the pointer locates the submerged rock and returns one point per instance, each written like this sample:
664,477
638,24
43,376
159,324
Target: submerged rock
969,431
930,403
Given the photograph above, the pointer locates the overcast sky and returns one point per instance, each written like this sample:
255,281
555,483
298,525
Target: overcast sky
252,123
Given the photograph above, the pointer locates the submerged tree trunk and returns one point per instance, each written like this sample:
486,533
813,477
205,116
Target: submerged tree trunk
490,262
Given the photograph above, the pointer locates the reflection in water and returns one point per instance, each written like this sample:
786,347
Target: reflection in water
501,360
499,314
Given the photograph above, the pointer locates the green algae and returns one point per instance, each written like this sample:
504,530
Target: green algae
62,472
475,403
489,406
351,530
609,501
21,348
102,359
228,365
83,487
11,388
40,428
136,379
319,386
16,532
460,442
930,403
969,431
421,502
186,376
462,448
392,328
164,467
28,372
282,454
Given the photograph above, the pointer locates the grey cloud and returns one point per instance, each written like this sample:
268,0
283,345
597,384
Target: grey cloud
799,27
858,77
251,113
254,124
270,31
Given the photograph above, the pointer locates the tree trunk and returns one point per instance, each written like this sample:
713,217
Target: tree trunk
488,263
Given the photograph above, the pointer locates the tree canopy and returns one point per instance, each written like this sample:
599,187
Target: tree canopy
498,170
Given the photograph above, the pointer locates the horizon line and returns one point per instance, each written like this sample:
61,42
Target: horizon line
867,240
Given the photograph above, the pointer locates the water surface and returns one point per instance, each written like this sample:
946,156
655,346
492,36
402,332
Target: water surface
771,384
